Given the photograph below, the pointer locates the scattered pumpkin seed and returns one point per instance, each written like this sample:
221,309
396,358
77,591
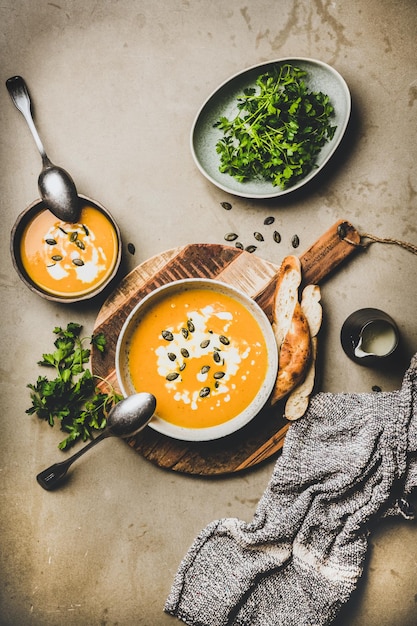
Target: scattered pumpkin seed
131,248
73,236
295,241
250,248
185,353
172,356
78,262
172,376
62,230
239,245
182,366
184,332
204,392
205,369
376,388
204,343
226,205
218,375
224,340
230,236
269,220
216,384
190,326
50,242
85,229
57,257
166,334
80,244
258,236
277,236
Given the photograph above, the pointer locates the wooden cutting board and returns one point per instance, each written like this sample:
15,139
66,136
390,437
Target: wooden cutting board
264,436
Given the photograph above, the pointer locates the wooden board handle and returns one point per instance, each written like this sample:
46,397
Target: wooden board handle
329,251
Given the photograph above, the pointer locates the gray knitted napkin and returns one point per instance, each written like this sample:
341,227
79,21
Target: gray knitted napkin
349,461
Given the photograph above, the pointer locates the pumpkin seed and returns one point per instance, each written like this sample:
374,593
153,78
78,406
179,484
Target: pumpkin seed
80,244
239,245
78,262
182,366
216,357
269,220
131,248
250,249
50,242
230,236
57,257
85,229
277,236
190,326
295,241
172,356
166,334
73,236
226,205
218,375
224,340
185,353
204,343
184,332
258,236
204,392
205,369
172,376
62,230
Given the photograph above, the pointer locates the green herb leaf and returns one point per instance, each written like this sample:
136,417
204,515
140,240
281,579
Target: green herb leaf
279,130
71,397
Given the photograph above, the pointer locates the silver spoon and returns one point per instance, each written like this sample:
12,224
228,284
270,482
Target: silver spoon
126,418
56,186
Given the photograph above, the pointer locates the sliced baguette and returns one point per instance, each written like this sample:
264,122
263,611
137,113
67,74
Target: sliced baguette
299,398
285,297
294,355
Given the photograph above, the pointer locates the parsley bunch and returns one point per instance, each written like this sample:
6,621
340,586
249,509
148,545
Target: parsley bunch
279,130
71,396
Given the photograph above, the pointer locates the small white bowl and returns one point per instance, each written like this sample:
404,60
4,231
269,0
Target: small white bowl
229,425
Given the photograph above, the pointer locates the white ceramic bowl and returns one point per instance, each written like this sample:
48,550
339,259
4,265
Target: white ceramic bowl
222,102
229,425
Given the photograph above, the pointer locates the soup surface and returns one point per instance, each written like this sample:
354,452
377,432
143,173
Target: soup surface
202,354
69,259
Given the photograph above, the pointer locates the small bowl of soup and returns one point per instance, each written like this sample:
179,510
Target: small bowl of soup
205,350
66,262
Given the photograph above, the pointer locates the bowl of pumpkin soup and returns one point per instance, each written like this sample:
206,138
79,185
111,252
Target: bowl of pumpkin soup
62,261
205,350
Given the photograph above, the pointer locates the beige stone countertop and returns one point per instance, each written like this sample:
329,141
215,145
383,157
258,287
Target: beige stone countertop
116,85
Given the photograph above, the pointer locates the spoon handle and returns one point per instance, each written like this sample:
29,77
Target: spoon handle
18,91
52,476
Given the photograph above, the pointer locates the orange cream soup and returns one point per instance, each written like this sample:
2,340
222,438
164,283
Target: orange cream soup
69,259
202,354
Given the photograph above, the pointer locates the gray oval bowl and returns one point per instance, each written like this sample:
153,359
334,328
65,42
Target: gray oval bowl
222,102
15,238
231,425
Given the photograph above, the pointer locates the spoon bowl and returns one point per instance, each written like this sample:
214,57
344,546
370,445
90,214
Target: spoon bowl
56,186
126,418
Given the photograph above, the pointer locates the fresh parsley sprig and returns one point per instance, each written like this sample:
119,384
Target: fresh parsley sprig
279,130
71,396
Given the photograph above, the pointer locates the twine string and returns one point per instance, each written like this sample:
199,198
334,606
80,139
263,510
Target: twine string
366,240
